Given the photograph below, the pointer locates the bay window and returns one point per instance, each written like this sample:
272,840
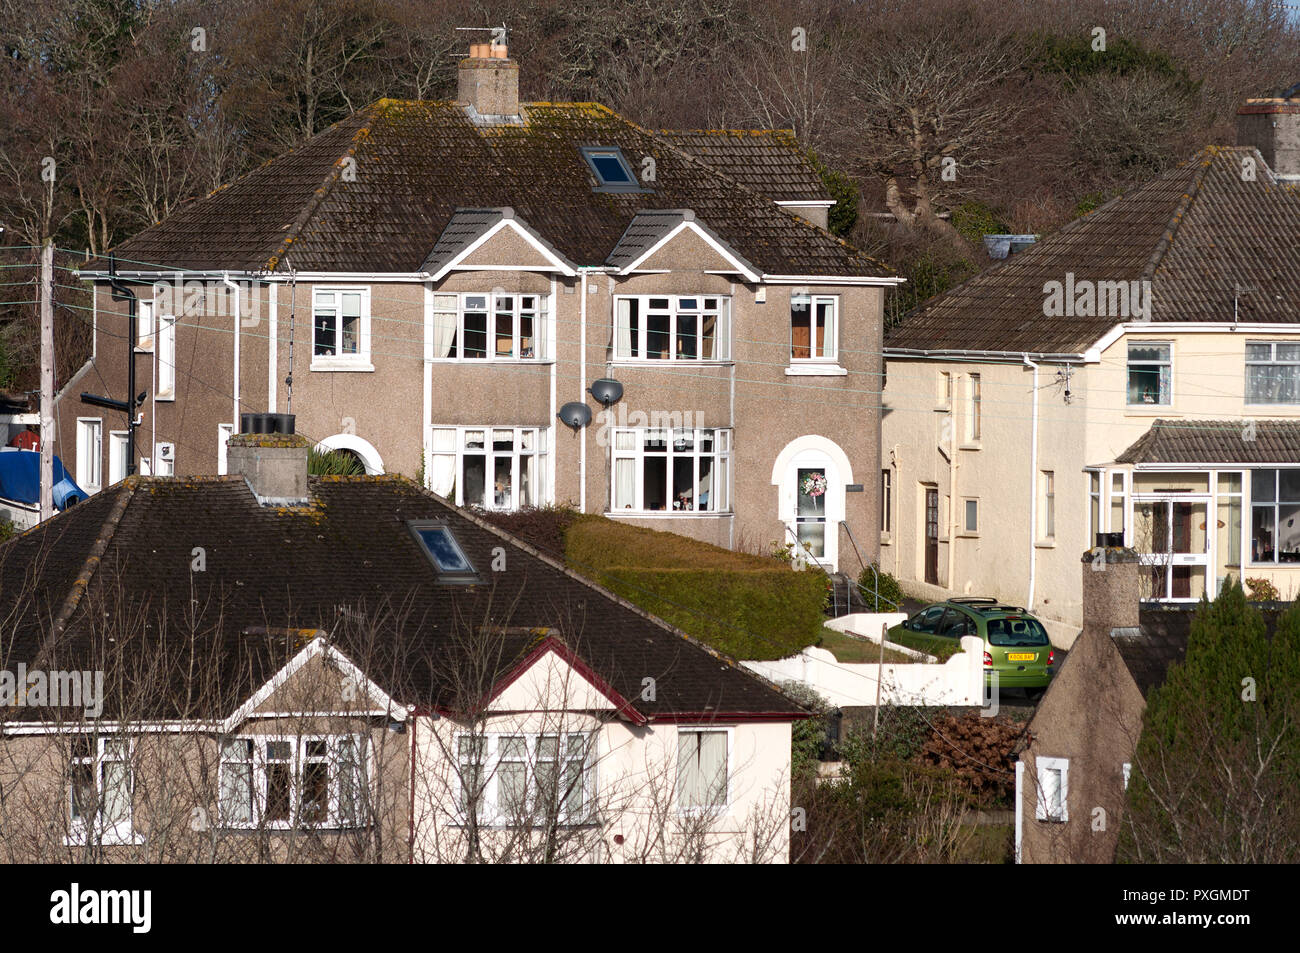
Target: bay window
497,468
663,470
99,791
527,779
672,328
489,327
280,782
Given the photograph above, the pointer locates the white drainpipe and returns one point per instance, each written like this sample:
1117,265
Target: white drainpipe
225,279
1020,805
1033,490
582,394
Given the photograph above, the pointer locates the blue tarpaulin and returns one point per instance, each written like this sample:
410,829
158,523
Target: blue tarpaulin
20,479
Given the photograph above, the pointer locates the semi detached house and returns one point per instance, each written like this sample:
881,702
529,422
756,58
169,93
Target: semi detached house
426,285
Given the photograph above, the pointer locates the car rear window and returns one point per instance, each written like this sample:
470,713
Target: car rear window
1016,631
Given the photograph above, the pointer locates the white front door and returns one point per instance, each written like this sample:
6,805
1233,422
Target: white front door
812,501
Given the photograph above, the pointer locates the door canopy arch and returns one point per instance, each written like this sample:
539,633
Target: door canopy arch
364,450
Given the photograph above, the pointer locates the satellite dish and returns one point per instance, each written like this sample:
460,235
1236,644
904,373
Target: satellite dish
606,391
575,414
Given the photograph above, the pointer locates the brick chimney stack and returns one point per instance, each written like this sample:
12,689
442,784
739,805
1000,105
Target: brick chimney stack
1273,127
488,81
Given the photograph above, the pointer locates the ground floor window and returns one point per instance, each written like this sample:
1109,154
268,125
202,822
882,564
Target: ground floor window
99,790
282,782
1275,516
701,769
497,468
523,779
661,470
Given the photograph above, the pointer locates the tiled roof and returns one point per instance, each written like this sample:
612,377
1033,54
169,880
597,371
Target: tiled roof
650,227
1243,441
1197,233
128,553
375,192
768,161
1162,641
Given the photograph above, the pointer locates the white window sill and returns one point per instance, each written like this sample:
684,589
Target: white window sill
328,365
144,348
1274,407
672,514
1045,544
886,539
489,360
169,396
816,370
107,839
971,446
656,362
1147,410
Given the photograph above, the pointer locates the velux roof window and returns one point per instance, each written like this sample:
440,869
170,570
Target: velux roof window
440,545
613,174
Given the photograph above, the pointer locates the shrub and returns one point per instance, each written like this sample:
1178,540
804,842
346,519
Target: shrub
880,584
808,734
334,463
979,751
7,529
1261,590
543,527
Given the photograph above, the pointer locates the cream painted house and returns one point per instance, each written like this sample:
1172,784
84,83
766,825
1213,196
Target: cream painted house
1137,372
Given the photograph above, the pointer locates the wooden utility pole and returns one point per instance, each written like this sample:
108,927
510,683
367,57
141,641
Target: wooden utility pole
47,380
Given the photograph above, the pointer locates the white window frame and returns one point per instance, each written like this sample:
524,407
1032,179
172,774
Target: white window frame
1052,812
886,500
451,307
224,433
1127,768
830,341
512,501
966,529
637,352
1129,365
94,829
1272,362
726,789
298,758
118,442
338,361
165,467
90,453
490,812
165,355
974,417
145,311
629,443
1248,518
1047,507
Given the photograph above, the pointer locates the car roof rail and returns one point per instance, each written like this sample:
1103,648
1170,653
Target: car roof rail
973,600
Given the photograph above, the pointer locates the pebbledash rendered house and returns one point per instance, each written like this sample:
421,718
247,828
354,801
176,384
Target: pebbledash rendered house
427,285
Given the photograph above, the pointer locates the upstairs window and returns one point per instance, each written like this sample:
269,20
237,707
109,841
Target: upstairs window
144,325
1150,374
341,326
1272,373
90,450
611,169
489,327
812,327
672,328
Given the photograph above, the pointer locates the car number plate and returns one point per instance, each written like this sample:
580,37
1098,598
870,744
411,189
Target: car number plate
1021,656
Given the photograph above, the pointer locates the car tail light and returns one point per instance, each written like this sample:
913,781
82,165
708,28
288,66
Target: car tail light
988,660
1051,656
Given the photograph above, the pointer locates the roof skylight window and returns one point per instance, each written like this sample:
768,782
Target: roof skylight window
441,546
613,174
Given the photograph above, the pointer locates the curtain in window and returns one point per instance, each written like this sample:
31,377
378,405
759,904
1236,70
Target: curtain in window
444,324
702,768
624,484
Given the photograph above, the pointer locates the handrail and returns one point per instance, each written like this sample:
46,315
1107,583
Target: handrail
875,594
799,546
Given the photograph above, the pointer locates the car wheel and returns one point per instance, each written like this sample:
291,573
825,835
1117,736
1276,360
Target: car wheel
1033,694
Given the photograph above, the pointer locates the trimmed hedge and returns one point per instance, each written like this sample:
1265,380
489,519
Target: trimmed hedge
747,614
745,606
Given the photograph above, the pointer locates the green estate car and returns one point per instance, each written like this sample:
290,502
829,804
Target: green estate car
1016,645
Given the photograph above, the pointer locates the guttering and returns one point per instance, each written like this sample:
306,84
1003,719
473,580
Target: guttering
830,280
1033,490
1014,357
582,388
225,280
